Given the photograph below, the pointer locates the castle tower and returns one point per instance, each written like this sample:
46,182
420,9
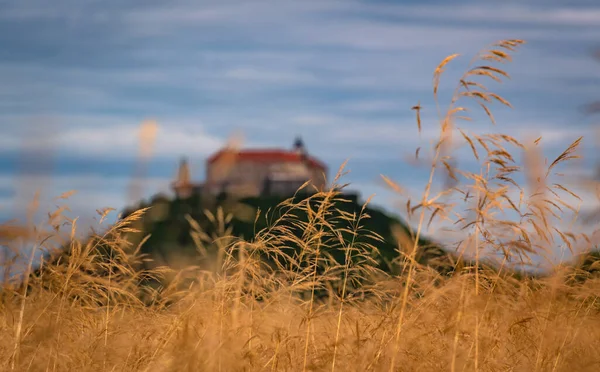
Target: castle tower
299,146
183,185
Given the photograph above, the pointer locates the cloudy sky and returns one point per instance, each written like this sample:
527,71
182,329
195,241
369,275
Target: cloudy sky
78,78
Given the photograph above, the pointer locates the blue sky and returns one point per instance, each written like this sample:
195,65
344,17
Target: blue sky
79,77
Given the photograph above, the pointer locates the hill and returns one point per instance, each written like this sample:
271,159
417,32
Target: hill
185,231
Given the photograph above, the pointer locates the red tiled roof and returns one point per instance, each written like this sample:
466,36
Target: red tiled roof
267,156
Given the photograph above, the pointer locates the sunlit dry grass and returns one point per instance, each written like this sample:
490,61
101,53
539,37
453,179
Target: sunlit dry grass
329,307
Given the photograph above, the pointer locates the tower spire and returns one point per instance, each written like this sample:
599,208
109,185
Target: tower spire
183,174
183,185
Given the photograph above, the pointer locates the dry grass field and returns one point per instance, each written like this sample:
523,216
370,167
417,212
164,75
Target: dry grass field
88,311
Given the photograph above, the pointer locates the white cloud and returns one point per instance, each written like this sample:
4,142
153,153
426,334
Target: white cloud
179,12
375,105
563,16
113,137
92,193
297,20
279,77
315,120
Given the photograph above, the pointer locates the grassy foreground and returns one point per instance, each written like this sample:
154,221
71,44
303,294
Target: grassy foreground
91,309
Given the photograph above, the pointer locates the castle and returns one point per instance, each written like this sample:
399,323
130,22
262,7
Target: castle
254,172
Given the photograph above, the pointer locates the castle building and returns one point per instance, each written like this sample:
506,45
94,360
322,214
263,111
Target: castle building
254,172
